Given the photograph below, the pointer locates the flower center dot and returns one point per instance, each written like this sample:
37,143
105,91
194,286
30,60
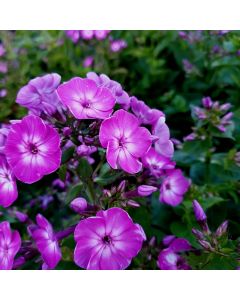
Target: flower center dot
168,186
33,148
107,240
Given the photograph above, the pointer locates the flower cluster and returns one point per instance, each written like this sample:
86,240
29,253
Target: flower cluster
76,35
214,242
213,115
83,128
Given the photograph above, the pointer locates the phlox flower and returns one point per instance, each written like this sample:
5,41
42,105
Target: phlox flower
170,258
118,45
156,163
8,186
125,140
144,113
32,149
46,242
173,187
74,35
10,243
85,99
39,95
163,145
102,80
108,241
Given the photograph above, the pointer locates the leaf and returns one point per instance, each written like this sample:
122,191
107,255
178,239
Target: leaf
74,192
84,169
67,155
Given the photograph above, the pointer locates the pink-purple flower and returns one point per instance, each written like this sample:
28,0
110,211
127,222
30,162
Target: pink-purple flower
173,188
125,140
85,99
108,241
122,98
118,45
170,258
32,149
46,242
39,95
157,163
8,186
10,243
163,145
144,113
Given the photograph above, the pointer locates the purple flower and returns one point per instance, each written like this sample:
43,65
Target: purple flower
46,241
88,61
32,149
108,241
164,145
125,141
8,187
117,45
74,35
3,93
102,80
156,163
207,102
145,114
173,187
39,95
101,34
3,67
79,205
168,239
199,212
2,50
10,243
87,34
85,99
169,260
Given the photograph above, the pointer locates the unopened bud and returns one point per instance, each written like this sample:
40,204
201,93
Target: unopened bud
22,217
152,241
146,190
79,205
198,234
67,131
207,102
222,229
206,245
199,212
133,203
121,186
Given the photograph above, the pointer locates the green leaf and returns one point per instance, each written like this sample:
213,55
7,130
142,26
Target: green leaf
67,155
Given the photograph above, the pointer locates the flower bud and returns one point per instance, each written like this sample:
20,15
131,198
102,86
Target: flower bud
207,102
152,241
121,186
206,245
198,234
22,217
225,106
222,229
79,205
67,131
133,203
199,212
146,190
